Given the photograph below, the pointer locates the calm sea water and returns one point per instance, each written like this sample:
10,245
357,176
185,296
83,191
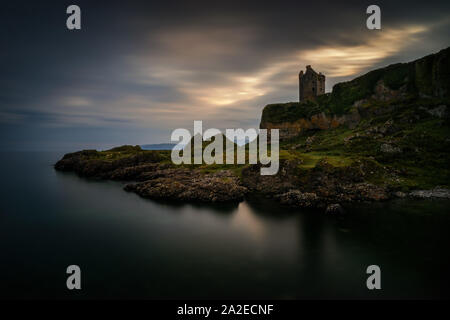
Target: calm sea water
129,247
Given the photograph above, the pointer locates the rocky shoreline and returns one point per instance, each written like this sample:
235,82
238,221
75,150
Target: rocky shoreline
190,185
324,186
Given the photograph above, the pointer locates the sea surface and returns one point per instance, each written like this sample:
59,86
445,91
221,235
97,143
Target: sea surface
130,247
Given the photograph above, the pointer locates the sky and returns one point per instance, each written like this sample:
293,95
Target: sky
137,70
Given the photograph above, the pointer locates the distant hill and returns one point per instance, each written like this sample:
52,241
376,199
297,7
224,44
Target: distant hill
158,146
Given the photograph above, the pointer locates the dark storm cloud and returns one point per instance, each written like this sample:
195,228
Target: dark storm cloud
137,70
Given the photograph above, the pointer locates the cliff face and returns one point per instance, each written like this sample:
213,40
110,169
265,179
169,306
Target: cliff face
347,104
319,121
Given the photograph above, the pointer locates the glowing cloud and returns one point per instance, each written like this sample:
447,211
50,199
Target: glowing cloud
344,61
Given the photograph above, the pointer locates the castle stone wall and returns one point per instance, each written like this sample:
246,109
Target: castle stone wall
311,84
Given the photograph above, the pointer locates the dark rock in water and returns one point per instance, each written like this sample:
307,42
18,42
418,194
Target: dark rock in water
297,198
400,194
367,192
334,208
440,193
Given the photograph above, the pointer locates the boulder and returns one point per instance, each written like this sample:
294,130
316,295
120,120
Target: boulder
388,148
297,198
334,208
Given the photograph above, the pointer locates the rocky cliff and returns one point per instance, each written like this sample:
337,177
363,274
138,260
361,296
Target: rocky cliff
347,104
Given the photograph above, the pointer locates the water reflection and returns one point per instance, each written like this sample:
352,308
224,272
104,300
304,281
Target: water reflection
260,249
135,247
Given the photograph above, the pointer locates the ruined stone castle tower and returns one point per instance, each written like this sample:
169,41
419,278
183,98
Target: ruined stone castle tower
311,84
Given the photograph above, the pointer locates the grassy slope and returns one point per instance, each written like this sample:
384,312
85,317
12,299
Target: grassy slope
423,140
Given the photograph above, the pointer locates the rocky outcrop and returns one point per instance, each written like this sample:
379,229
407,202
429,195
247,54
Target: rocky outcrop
318,187
270,185
384,93
89,163
156,179
191,185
